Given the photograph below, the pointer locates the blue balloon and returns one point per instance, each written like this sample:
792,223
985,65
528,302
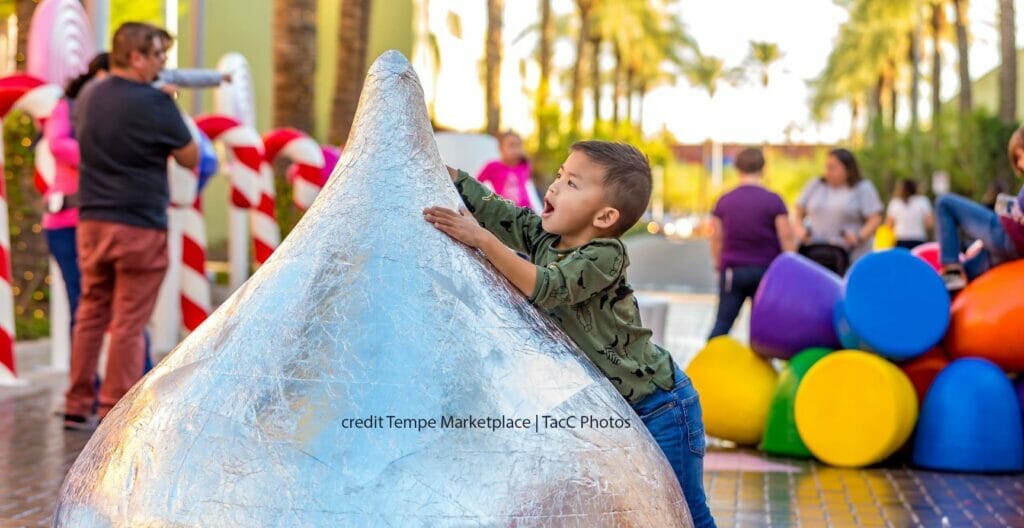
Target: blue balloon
207,159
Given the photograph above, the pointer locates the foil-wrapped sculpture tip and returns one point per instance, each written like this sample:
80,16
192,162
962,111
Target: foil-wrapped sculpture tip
391,61
368,313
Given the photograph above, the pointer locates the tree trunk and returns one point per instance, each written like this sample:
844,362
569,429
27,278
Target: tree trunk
890,84
1008,69
641,93
577,70
937,23
629,94
854,117
23,10
876,117
493,65
294,49
353,35
966,97
595,77
616,85
547,39
915,79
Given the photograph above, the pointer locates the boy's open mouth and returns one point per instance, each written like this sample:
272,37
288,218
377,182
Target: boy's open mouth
548,209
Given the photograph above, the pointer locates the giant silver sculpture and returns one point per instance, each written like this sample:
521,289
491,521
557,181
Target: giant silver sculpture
367,312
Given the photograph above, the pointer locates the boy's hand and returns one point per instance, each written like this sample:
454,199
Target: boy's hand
459,225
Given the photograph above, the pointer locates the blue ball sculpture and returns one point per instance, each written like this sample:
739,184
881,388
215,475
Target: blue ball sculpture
970,421
894,304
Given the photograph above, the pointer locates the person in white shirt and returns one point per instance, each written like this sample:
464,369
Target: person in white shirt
909,215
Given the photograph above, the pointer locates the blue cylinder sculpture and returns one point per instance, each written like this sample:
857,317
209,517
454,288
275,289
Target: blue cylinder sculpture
970,421
793,307
894,304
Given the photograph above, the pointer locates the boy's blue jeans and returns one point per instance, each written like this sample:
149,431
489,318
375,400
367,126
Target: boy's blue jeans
675,421
953,213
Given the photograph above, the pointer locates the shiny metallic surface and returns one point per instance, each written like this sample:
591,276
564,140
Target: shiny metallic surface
364,312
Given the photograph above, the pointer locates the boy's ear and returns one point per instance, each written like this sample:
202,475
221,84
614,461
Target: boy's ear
606,217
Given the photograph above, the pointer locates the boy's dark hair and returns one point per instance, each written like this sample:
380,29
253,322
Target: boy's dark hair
132,36
750,161
627,178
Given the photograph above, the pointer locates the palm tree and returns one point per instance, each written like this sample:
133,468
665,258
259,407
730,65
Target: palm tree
706,72
869,59
493,65
24,10
353,35
547,41
582,39
1008,68
294,49
764,54
966,98
913,56
659,51
937,25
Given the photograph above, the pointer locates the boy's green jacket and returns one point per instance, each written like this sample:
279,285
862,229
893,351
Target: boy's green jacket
584,289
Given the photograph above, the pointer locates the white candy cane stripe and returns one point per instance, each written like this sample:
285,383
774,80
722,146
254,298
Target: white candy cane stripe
252,186
308,161
183,183
195,287
266,234
45,165
36,98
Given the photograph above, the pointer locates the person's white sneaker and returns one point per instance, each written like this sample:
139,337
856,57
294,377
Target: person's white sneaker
954,279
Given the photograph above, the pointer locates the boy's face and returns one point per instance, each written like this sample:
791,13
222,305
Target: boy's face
575,202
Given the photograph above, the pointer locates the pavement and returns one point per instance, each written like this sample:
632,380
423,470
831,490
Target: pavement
744,487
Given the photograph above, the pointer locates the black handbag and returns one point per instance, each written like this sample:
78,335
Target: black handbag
830,256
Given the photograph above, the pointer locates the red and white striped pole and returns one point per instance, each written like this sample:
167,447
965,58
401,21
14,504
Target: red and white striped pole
37,99
306,174
252,190
185,295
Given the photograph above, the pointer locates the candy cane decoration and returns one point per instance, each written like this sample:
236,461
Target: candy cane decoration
192,284
306,174
166,320
195,287
60,41
37,99
252,185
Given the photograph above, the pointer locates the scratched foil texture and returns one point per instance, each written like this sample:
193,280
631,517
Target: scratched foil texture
367,310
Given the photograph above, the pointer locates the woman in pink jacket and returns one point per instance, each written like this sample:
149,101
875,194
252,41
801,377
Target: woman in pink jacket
60,202
510,175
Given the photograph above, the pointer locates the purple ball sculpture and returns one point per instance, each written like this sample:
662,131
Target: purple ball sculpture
793,308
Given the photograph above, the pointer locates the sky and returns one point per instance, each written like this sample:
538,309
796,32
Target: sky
747,112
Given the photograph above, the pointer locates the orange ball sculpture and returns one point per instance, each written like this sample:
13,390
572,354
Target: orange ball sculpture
987,317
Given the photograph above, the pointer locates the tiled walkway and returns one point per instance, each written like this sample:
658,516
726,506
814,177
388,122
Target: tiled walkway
744,487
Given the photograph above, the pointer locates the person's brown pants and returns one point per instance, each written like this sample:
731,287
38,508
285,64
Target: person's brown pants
122,267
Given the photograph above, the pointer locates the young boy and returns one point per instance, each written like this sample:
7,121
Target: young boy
577,273
750,229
